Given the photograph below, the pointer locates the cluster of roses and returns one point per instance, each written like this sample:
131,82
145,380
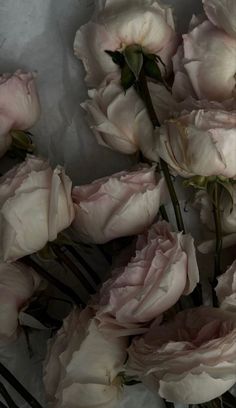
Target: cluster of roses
130,328
189,356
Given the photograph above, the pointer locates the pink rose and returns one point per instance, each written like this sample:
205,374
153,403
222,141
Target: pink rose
120,24
222,13
17,285
202,142
207,52
82,366
226,289
120,205
117,118
191,359
19,105
163,268
120,120
35,205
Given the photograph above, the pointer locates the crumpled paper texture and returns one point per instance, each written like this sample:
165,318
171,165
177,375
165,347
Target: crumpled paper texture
38,35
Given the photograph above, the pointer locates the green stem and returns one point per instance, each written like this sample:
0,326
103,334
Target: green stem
163,213
145,95
218,229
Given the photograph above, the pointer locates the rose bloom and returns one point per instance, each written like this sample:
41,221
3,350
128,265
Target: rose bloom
116,117
120,205
189,360
82,366
120,120
17,285
19,105
206,53
35,204
163,268
202,142
222,13
226,289
120,24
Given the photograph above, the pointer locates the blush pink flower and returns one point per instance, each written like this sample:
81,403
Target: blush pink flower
117,118
226,289
120,120
205,66
222,13
163,268
120,205
201,142
19,105
35,205
119,24
82,366
18,283
189,360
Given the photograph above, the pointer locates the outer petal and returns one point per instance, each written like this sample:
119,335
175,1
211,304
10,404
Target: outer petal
194,389
90,43
89,395
222,13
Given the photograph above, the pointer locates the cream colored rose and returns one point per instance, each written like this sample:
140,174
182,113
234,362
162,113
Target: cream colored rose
118,24
35,205
17,285
222,13
82,365
189,360
163,269
19,105
205,65
120,120
117,118
202,142
123,204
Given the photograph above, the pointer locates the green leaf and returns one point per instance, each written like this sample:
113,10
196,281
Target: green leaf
116,57
22,141
127,78
199,182
152,70
134,59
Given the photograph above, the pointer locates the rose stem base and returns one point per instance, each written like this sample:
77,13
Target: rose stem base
145,95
